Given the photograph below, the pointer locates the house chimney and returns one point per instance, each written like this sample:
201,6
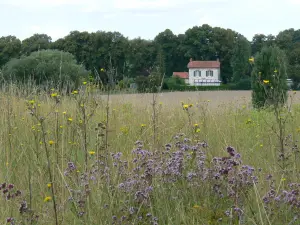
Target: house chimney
191,59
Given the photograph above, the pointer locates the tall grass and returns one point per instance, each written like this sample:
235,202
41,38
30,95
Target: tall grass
210,164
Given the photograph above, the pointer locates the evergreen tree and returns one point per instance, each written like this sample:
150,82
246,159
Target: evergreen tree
269,78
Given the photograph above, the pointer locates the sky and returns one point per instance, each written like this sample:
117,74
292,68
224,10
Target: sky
145,18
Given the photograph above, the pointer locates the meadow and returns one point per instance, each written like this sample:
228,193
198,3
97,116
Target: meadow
171,159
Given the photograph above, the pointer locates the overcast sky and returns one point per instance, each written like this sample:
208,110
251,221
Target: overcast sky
145,18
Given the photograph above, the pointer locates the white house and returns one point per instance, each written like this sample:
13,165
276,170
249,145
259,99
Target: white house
202,73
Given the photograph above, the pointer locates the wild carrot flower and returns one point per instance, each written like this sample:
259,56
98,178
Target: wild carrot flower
47,199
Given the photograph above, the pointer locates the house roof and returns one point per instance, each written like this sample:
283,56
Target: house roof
184,75
204,64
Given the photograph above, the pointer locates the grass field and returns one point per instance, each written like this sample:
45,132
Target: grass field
185,158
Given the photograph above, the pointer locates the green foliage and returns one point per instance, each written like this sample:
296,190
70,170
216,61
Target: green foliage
239,61
10,47
142,83
35,43
243,84
174,83
269,78
56,67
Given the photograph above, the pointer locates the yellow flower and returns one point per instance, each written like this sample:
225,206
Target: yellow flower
84,82
54,95
196,206
266,81
80,121
283,179
74,92
185,106
102,70
52,89
60,126
248,121
70,119
143,125
196,125
275,71
49,185
31,102
251,60
208,100
261,145
92,152
198,130
51,142
47,199
81,105
64,112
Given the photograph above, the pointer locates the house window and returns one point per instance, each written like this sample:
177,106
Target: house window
209,73
197,73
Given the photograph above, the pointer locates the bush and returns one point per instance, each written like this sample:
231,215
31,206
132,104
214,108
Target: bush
269,78
46,66
243,84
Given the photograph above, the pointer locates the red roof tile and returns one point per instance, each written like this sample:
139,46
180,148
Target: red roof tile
204,64
184,75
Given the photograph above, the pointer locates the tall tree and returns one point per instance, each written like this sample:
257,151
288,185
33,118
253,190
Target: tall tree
10,47
239,61
35,43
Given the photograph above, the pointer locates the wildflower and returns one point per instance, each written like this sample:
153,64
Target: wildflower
266,81
81,105
60,126
51,142
196,206
92,152
143,125
185,106
198,130
74,92
251,59
80,121
196,125
84,82
275,71
49,185
208,100
102,70
70,119
261,145
54,95
47,199
283,179
31,102
64,112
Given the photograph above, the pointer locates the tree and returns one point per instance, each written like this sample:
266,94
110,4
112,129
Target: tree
46,66
10,47
239,61
269,78
35,43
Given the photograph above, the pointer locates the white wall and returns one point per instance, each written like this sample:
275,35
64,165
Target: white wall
192,78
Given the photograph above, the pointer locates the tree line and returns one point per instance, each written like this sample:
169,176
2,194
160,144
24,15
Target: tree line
137,58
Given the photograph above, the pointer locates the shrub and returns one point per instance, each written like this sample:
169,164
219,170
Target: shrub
46,66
